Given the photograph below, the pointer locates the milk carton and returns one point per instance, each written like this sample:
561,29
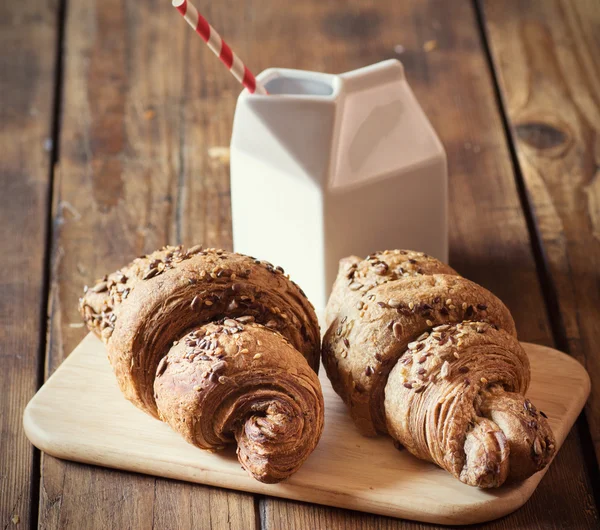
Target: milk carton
331,165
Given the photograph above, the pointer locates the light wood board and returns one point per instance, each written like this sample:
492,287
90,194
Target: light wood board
80,414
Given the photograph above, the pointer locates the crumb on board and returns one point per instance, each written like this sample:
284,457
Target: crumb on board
220,153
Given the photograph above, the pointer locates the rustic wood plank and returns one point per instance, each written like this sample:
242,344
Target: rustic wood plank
547,60
130,180
446,65
127,186
28,33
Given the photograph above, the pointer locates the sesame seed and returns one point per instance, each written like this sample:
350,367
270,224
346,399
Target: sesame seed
445,370
484,381
429,323
257,356
411,305
397,330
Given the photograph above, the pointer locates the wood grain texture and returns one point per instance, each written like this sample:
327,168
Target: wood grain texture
134,174
446,66
80,414
27,61
547,61
139,169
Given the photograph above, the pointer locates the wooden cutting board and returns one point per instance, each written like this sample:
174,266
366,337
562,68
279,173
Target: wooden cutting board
80,414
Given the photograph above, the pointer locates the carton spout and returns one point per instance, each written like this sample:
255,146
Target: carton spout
374,75
288,82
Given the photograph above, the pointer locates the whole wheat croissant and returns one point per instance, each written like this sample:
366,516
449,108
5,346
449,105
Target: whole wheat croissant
221,346
431,358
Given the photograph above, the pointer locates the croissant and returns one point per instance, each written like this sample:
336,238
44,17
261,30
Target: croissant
431,358
221,346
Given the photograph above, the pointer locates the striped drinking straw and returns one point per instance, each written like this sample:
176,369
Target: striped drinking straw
218,46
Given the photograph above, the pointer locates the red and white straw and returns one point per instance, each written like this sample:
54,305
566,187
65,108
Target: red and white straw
218,46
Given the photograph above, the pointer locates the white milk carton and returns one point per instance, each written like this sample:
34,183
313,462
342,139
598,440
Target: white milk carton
331,165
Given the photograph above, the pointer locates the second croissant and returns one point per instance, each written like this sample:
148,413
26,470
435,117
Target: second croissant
431,358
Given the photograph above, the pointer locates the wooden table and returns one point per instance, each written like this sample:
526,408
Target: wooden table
113,122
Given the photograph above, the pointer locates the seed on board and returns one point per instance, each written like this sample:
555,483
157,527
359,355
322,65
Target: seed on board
543,414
